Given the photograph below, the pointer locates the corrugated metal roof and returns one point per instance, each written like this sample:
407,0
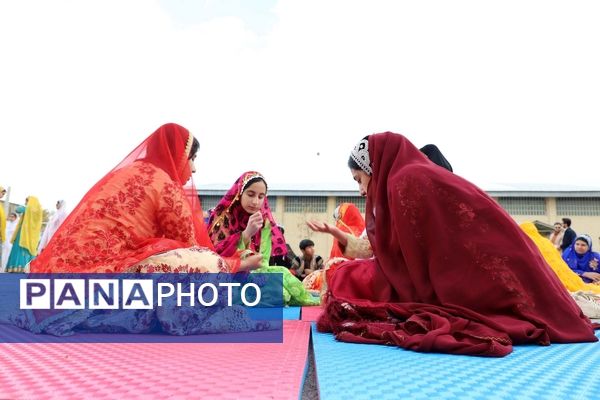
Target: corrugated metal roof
351,189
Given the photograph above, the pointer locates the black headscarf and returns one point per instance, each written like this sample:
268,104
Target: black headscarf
434,154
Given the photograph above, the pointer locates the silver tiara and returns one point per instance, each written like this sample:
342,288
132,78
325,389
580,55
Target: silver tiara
360,154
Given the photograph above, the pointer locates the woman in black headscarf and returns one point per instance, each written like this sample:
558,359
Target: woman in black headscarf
434,154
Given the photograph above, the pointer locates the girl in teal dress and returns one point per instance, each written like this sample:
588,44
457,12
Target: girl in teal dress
26,237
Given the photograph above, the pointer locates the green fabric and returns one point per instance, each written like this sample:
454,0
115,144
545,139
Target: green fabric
294,293
265,244
241,245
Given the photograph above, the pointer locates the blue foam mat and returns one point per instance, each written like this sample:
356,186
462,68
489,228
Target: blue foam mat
291,313
285,313
360,371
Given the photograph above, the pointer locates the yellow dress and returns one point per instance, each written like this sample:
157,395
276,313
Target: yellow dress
569,279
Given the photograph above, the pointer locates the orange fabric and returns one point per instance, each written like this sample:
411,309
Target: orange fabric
137,210
351,221
569,279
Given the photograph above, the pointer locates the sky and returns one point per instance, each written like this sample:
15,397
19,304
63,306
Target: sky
509,90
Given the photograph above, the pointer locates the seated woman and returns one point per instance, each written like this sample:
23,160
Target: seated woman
586,295
582,260
243,221
435,155
137,218
350,221
571,281
480,290
348,244
26,237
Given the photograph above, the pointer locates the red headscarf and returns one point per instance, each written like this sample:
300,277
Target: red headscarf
169,149
452,271
108,212
229,219
349,220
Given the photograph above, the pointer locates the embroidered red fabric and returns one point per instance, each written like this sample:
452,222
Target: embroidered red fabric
452,271
146,205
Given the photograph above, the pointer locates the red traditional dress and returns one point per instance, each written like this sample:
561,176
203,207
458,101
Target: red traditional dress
452,272
143,216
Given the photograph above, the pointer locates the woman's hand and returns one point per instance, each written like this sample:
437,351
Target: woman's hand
318,226
255,223
594,276
324,227
251,262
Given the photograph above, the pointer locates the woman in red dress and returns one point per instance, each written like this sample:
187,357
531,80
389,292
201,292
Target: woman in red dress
143,216
452,272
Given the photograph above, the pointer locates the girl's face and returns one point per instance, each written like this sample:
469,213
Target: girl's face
363,179
581,247
192,164
253,197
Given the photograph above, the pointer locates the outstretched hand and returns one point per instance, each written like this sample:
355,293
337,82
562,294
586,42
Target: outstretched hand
318,226
324,227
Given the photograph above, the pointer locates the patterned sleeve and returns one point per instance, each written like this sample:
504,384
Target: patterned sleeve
174,216
357,247
228,246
